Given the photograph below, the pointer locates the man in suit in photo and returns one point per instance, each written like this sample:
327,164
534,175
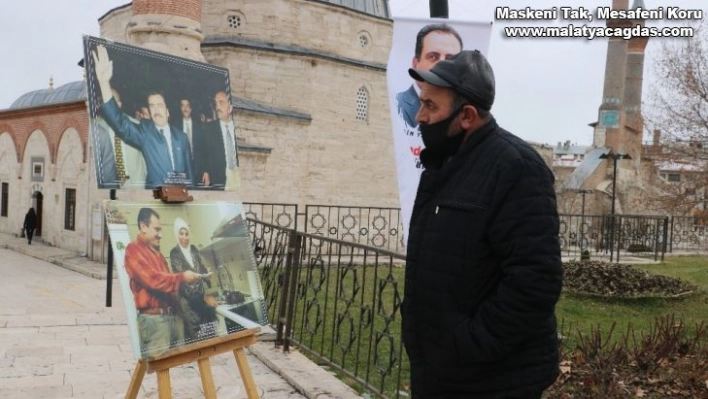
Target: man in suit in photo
433,43
191,126
166,149
216,160
118,164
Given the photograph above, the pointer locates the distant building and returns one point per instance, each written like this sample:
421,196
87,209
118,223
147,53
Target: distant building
615,157
569,155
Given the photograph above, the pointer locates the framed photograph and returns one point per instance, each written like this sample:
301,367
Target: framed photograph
156,119
187,272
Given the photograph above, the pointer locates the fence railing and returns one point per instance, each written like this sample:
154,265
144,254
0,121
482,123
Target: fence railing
337,301
281,215
687,233
378,227
371,226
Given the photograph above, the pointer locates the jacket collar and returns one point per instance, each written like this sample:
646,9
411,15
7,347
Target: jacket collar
478,136
143,242
474,140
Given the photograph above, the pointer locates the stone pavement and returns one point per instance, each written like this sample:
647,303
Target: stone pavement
58,339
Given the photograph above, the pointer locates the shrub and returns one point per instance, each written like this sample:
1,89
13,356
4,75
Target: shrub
639,248
666,362
617,280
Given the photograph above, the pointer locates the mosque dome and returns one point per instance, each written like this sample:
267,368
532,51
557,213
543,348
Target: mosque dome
70,92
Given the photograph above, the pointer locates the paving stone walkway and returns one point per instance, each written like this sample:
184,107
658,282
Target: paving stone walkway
58,340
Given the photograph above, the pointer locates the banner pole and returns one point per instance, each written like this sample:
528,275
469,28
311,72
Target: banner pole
439,9
109,264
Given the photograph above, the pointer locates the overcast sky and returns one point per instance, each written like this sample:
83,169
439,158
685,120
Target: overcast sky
548,90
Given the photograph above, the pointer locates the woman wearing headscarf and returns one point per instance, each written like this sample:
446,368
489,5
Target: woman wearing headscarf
30,224
197,307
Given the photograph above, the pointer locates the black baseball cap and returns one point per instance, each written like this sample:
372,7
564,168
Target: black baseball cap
467,72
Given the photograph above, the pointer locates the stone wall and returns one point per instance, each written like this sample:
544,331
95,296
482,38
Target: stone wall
307,24
113,26
334,158
332,54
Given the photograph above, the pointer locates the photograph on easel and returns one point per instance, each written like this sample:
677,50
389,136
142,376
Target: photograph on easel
187,272
156,119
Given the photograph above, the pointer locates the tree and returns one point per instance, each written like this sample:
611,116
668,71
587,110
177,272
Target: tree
678,111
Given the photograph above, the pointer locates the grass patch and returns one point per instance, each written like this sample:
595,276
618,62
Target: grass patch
578,312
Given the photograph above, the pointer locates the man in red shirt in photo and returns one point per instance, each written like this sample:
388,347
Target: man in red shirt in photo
154,287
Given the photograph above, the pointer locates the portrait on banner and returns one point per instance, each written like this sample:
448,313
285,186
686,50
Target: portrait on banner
420,43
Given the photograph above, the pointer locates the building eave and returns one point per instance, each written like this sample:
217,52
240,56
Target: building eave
256,149
246,105
260,45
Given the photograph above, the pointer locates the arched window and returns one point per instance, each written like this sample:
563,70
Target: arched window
362,104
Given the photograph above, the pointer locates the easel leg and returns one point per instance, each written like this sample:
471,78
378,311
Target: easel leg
246,376
163,384
136,380
207,379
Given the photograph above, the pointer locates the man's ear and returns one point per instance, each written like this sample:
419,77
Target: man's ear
469,118
414,62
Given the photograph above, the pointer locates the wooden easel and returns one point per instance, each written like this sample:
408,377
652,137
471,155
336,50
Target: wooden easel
199,351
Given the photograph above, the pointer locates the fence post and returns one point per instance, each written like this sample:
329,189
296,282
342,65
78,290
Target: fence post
305,217
294,250
284,296
618,233
671,242
666,234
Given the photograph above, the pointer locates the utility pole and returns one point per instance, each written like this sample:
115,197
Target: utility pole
583,229
438,9
614,157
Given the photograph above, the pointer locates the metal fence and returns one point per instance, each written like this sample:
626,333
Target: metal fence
380,227
621,235
336,296
687,234
371,226
341,311
281,215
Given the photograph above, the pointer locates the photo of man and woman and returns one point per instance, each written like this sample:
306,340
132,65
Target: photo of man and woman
187,272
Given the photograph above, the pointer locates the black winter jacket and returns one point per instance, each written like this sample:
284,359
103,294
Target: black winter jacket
483,273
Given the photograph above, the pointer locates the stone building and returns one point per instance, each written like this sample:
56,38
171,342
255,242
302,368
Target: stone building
309,89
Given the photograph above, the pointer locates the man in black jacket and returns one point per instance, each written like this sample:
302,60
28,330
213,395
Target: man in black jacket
483,272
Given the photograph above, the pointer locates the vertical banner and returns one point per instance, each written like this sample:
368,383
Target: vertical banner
420,43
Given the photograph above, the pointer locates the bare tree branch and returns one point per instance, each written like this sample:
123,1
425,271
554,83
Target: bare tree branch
678,109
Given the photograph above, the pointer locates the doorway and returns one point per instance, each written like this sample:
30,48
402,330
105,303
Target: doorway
38,202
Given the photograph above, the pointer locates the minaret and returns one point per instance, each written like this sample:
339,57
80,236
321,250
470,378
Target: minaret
607,130
634,123
168,26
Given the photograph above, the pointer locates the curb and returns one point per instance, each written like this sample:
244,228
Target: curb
305,376
66,261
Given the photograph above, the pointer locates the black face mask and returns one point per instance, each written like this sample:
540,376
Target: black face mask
435,136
